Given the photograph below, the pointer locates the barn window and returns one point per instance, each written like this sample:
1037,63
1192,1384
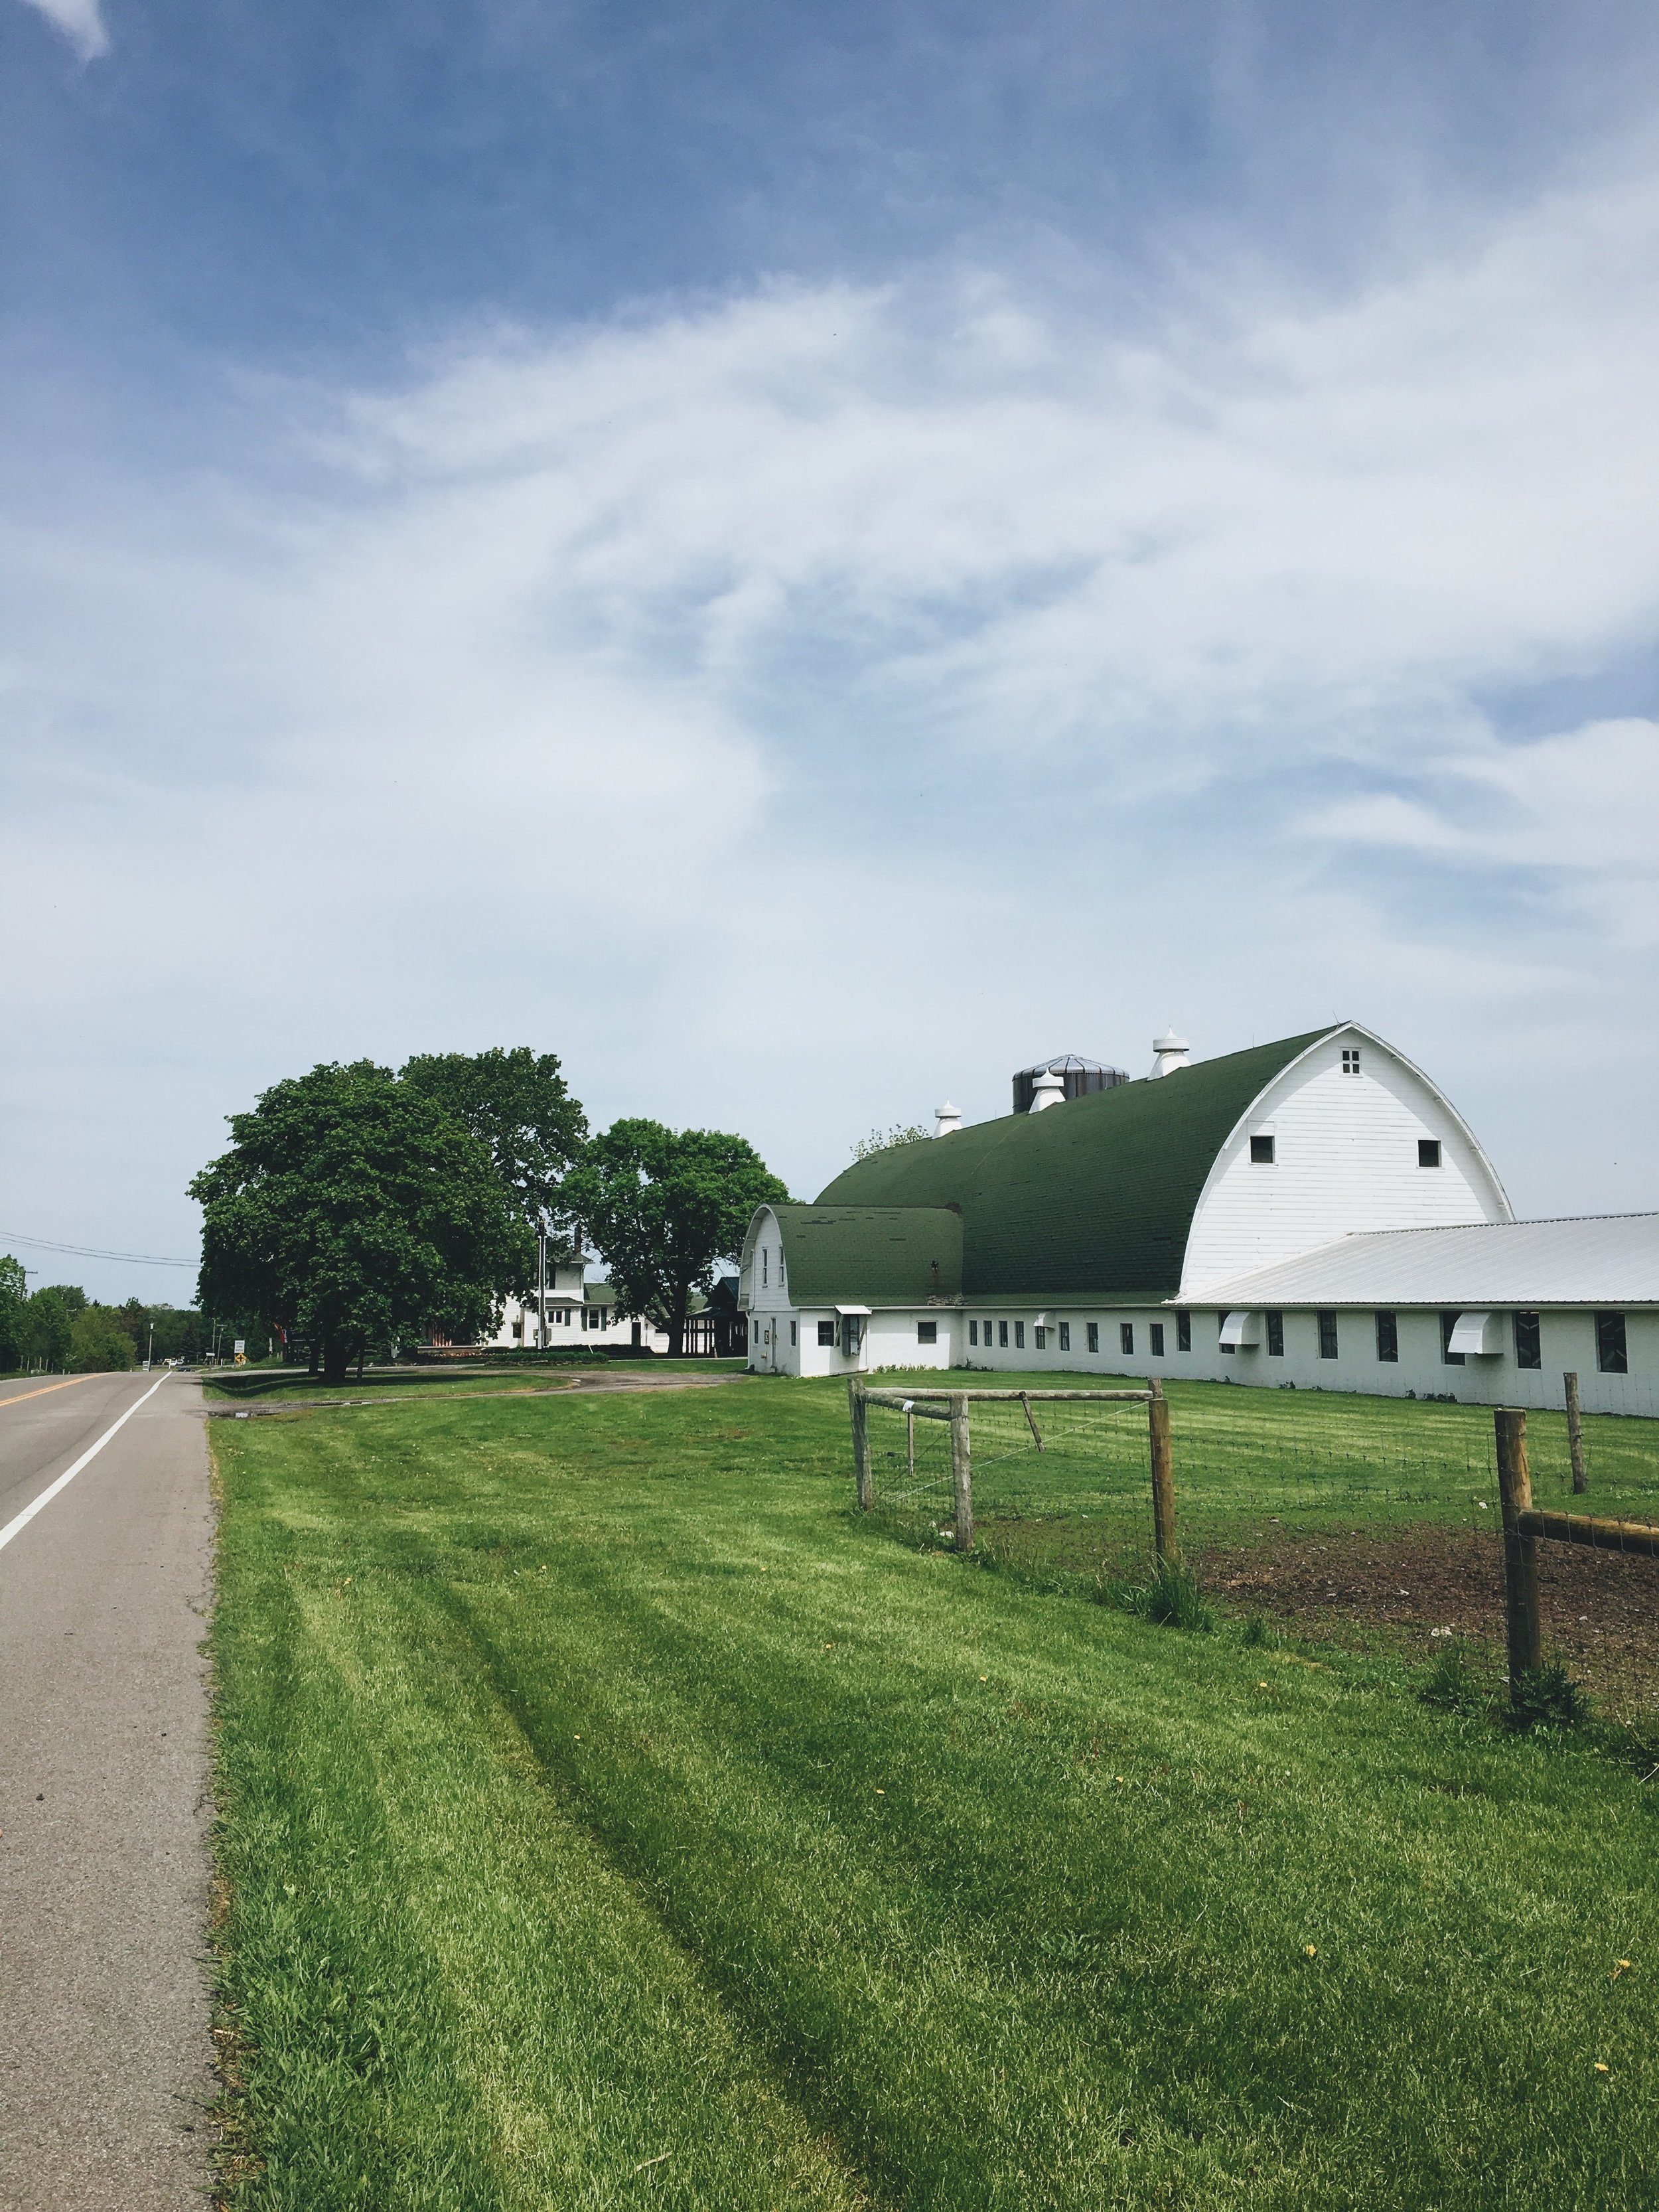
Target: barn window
1041,1338
852,1334
1275,1336
1002,1335
926,1332
1448,1358
1350,1059
1094,1336
1528,1346
793,1338
1126,1338
762,1263
1328,1334
1155,1329
1221,1343
1428,1152
1262,1151
826,1332
1019,1334
973,1332
1184,1332
1610,1353
1388,1339
1066,1336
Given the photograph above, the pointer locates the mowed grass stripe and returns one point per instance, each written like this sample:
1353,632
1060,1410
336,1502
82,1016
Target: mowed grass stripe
1010,1980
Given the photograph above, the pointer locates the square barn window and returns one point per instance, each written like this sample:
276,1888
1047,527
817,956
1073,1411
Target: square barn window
1262,1151
1428,1152
1611,1356
1275,1336
1155,1330
1094,1336
1528,1343
1350,1059
926,1332
1184,1332
1126,1337
826,1332
1388,1339
1066,1336
1448,1358
1328,1336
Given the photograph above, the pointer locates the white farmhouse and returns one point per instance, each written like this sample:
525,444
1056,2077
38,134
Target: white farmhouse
578,1313
1313,1212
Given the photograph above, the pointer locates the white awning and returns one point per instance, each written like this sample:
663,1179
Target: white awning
1241,1328
851,1309
1478,1333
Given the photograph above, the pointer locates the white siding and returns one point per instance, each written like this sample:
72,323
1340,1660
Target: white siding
1344,1159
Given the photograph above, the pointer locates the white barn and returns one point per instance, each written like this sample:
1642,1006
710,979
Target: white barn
1314,1211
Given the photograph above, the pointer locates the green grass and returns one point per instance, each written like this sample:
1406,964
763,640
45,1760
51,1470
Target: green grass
294,1386
607,1816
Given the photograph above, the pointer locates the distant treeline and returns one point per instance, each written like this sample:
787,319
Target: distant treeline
60,1329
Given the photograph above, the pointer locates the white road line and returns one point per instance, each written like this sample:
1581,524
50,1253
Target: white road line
16,1527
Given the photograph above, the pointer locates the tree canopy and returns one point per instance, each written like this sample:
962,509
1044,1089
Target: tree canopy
356,1210
516,1102
663,1205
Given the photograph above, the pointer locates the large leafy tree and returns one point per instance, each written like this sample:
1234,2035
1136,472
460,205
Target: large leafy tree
663,1205
356,1210
518,1103
14,1293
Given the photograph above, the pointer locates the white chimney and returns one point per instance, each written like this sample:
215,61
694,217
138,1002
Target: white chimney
947,1120
1172,1051
1047,1090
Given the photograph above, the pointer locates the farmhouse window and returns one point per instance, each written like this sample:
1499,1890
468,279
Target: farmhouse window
1528,1346
1262,1151
1275,1336
1388,1339
1126,1336
1184,1332
1094,1336
793,1338
1019,1334
1448,1358
1066,1336
1327,1335
926,1332
1610,1353
1428,1152
1155,1330
1041,1338
826,1332
1002,1335
1350,1059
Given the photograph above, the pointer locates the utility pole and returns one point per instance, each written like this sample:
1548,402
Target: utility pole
150,1355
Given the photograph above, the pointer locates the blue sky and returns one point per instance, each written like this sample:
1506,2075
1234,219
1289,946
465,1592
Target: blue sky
803,557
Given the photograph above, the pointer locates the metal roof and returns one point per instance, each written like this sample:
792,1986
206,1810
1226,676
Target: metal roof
1608,1260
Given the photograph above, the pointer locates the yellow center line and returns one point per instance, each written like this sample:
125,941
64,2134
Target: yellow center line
45,1386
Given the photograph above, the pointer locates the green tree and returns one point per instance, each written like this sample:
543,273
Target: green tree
48,1319
663,1206
14,1293
97,1343
357,1212
518,1103
898,1134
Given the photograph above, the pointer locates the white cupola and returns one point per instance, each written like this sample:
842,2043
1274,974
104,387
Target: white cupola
1172,1052
1048,1090
946,1120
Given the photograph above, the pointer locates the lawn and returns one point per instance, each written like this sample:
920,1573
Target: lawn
293,1385
607,1815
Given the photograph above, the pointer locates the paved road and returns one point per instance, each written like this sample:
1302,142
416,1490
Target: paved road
104,2049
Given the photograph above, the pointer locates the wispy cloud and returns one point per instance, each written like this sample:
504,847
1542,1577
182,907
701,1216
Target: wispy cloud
80,21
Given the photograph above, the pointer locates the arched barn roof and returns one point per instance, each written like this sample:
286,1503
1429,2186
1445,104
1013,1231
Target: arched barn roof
1095,1197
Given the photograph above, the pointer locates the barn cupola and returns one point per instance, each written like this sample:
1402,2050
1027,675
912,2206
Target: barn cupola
1048,1088
946,1120
1171,1052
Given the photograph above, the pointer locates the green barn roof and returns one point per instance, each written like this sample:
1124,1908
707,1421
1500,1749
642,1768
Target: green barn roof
1094,1197
877,1255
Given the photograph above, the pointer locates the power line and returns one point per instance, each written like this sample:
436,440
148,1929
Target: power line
92,1252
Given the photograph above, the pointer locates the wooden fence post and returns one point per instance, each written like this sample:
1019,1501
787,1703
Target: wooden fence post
1163,1510
962,1481
1575,1437
860,1413
1520,1552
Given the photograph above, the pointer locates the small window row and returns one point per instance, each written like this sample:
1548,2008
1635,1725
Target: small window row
1264,1151
1612,1349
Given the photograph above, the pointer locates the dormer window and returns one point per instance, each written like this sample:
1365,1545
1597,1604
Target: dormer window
762,1263
1428,1152
1262,1151
1350,1059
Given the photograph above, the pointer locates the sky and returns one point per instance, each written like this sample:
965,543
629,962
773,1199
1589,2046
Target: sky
805,558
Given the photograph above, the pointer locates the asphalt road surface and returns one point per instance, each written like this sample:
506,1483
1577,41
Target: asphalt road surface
105,2066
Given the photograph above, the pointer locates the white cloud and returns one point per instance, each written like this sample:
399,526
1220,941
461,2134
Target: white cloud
80,21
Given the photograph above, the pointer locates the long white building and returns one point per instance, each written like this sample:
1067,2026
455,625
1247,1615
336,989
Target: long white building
1313,1212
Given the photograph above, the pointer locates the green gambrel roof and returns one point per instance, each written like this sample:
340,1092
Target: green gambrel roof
876,1255
1094,1196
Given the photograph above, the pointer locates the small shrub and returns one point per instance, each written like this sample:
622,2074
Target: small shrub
1453,1684
1171,1599
1258,1630
1546,1697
